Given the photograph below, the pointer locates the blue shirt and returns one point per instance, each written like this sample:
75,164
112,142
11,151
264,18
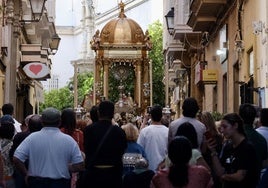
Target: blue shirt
134,147
49,152
132,154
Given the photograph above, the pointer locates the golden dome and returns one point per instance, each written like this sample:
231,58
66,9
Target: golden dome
122,30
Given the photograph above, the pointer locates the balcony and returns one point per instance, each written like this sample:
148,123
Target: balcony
37,32
204,14
183,30
40,32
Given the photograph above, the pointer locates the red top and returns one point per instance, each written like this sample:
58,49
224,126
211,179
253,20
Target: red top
78,136
198,176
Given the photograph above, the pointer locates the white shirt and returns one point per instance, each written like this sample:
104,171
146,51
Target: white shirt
264,132
199,128
154,140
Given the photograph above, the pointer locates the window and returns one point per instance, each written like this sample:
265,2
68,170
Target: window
224,97
223,48
251,62
236,86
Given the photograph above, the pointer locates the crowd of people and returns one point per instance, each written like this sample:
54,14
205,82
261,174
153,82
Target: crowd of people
56,150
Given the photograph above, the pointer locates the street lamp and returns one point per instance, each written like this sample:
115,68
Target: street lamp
170,20
37,7
54,44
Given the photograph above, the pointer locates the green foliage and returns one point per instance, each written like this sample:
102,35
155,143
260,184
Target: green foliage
84,85
60,99
217,115
64,98
156,55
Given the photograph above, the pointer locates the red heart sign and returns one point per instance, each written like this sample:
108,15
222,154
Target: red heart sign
35,68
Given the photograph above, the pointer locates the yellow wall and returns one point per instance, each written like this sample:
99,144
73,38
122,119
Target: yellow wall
252,11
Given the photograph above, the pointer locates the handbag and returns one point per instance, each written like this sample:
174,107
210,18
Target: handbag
83,175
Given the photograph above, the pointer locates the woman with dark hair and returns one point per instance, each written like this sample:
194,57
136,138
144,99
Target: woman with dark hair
187,129
236,166
180,173
94,114
68,126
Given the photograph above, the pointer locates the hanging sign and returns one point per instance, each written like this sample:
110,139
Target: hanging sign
36,70
210,76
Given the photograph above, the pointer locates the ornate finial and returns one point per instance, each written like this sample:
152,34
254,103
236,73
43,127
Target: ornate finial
122,11
95,42
147,40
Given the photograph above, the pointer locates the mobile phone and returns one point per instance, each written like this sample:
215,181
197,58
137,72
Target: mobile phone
208,135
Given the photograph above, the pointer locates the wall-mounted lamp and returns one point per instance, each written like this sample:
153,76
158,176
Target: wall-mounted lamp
37,10
37,7
54,44
170,21
181,73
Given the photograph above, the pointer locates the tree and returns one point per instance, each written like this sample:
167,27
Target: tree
156,55
85,83
57,98
63,97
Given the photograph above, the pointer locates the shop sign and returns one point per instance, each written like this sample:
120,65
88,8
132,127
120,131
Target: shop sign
209,76
36,70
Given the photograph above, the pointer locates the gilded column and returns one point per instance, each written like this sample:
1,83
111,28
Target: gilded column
75,85
146,71
151,82
105,79
98,86
95,81
138,82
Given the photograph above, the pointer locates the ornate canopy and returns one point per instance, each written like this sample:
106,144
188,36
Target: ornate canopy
120,46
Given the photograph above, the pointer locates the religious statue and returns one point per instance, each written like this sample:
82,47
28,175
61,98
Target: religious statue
147,40
125,102
138,35
95,42
130,100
